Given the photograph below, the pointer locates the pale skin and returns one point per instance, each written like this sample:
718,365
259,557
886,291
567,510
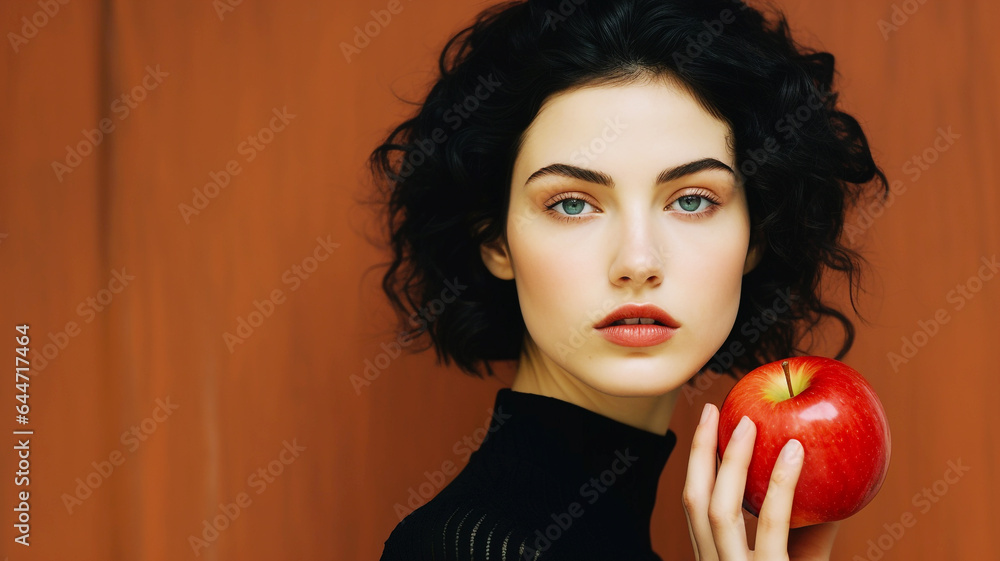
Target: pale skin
578,248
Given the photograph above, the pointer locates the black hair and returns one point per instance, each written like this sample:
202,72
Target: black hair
444,175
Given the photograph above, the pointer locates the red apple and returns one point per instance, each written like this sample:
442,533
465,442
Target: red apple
835,414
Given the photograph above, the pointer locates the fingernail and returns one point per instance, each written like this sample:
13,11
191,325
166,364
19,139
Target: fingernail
742,428
705,412
791,452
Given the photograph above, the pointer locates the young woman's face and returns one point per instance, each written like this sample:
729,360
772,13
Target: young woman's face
579,249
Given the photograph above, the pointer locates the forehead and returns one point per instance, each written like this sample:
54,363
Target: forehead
621,125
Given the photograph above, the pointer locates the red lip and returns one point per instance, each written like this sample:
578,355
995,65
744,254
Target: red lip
638,335
639,311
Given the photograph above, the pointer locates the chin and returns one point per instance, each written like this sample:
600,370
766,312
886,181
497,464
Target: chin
646,381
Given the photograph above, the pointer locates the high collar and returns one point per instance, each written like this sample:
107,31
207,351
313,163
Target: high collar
568,440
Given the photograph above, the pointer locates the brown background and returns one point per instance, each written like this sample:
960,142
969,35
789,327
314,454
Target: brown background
63,239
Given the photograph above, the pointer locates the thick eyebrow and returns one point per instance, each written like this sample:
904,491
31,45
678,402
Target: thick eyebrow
601,178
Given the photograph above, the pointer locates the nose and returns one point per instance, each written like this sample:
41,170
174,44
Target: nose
639,257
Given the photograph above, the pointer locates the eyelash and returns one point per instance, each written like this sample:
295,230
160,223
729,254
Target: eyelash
707,195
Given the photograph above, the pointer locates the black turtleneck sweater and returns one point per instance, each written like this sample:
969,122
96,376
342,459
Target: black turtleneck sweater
552,481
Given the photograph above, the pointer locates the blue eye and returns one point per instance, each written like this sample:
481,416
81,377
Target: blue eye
693,203
572,207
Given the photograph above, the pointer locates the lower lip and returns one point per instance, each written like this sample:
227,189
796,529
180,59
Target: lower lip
637,335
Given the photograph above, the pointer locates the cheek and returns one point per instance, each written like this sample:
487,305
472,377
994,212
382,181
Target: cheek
719,262
549,277
709,268
558,277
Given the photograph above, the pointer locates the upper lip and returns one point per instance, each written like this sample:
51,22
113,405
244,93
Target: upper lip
638,311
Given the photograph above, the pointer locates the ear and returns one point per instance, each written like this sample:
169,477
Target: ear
754,254
496,256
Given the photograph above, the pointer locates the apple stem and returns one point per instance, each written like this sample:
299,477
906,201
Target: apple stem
788,378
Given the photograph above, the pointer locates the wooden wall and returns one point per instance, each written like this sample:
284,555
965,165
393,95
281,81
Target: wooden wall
179,226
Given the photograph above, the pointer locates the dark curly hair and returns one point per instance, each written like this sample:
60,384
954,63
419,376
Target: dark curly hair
444,175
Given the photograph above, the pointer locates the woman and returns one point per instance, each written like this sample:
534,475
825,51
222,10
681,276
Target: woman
617,186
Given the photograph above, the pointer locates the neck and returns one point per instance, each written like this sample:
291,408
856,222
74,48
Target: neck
537,374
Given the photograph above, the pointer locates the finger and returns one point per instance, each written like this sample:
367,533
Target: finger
812,543
725,512
776,512
700,482
694,540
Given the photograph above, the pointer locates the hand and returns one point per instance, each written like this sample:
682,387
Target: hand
713,504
